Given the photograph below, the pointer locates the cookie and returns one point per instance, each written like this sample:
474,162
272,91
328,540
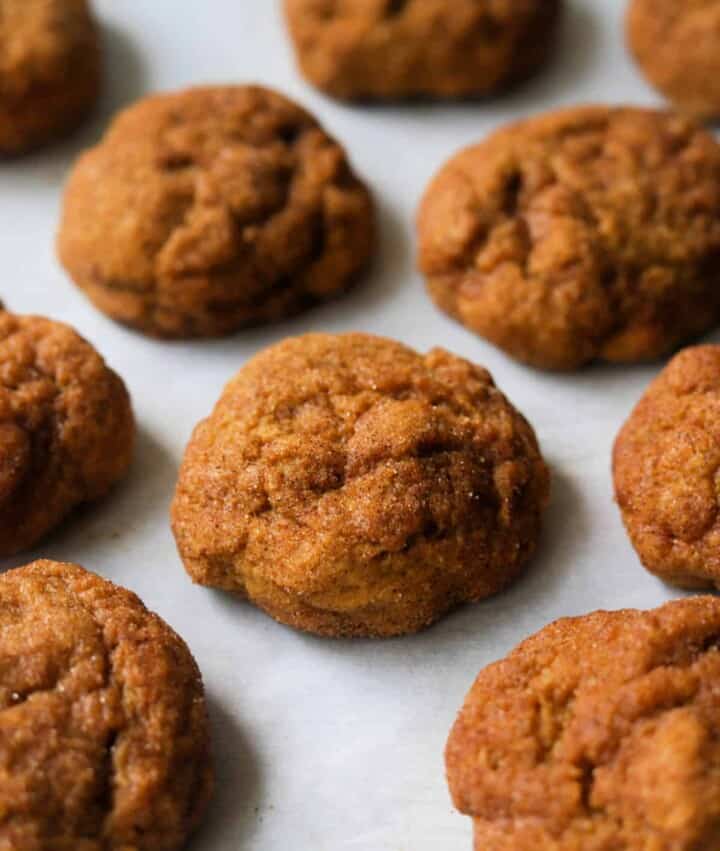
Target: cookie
212,209
50,70
677,47
598,733
591,233
104,738
349,486
66,427
665,466
385,49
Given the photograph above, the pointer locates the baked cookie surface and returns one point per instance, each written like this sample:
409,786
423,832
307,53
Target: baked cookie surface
104,742
589,233
211,209
385,49
66,427
677,46
665,466
597,733
349,486
50,70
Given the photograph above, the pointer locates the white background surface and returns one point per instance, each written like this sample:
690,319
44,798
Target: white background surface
325,745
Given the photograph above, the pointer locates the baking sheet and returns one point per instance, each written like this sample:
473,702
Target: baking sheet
327,745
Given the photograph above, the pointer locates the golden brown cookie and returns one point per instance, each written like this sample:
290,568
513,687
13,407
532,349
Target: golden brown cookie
665,465
388,49
349,486
677,46
66,427
589,233
598,733
50,70
104,740
212,209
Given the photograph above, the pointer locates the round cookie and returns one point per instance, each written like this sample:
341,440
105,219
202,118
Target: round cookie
349,486
597,733
104,740
665,466
212,209
66,427
588,233
50,70
385,49
677,46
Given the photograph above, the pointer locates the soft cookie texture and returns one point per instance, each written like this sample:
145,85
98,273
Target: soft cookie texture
589,233
385,49
50,70
104,741
666,463
349,486
66,427
598,733
211,209
677,46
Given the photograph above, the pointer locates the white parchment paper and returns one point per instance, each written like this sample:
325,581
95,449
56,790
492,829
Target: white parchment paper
325,745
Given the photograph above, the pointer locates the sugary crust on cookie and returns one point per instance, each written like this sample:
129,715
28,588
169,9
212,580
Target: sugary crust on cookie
589,233
104,740
598,733
666,466
66,427
214,208
350,486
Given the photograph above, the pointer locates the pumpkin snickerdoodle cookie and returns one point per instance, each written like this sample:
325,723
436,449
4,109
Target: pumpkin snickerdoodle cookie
50,70
589,233
349,486
210,209
666,467
677,46
597,733
104,740
390,49
66,427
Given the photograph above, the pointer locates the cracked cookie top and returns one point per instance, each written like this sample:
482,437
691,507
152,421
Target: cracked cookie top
590,233
66,427
365,49
49,69
666,467
103,728
595,734
349,485
213,208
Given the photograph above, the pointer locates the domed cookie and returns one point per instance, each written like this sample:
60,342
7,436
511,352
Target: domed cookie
66,427
103,729
665,465
597,733
390,49
211,209
349,486
589,233
50,70
677,46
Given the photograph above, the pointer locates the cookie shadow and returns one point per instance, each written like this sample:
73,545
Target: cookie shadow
390,268
124,81
140,501
389,272
564,534
235,807
578,44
